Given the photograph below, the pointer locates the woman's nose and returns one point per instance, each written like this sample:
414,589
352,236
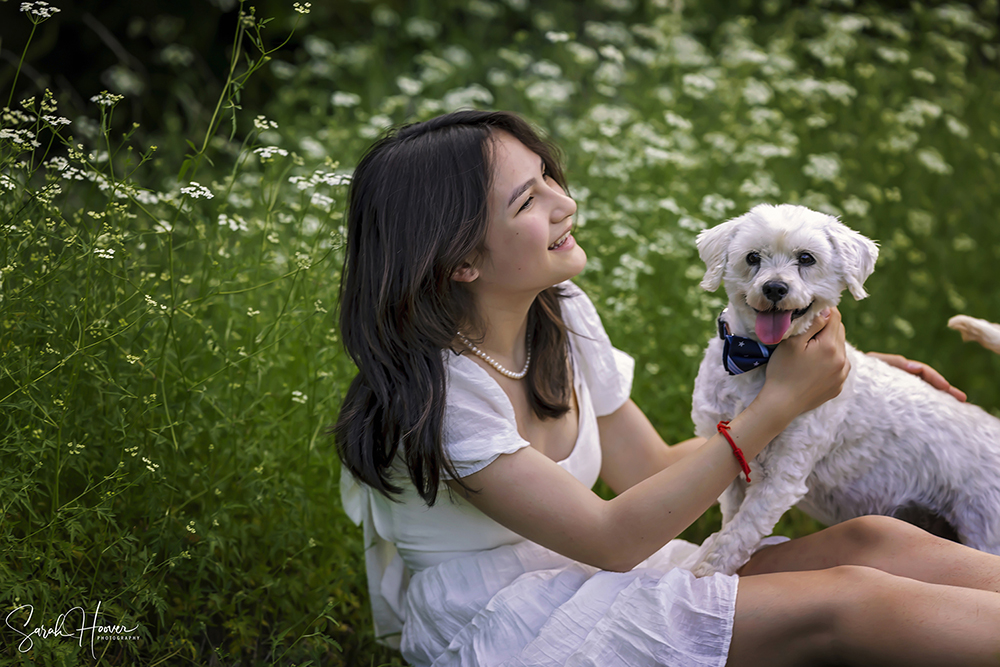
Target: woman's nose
565,206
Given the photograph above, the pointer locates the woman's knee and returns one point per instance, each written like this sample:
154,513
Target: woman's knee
808,615
875,534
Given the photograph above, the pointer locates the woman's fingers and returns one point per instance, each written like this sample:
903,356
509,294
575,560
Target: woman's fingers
810,369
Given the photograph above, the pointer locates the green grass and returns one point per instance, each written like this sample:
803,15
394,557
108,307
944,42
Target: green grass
169,361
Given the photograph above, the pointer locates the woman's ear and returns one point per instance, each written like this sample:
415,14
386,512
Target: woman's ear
466,273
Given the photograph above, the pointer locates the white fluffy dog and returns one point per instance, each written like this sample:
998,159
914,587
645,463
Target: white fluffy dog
888,444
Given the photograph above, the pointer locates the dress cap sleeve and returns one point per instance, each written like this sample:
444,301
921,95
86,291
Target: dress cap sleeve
607,370
479,422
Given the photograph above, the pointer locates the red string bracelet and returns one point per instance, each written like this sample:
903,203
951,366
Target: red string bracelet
723,428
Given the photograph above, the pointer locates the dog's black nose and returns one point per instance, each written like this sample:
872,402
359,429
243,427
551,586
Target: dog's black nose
775,291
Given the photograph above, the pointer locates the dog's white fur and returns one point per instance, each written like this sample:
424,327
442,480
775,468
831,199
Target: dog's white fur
985,333
889,440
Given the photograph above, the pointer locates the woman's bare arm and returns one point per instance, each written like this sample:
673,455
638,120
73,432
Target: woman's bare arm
533,496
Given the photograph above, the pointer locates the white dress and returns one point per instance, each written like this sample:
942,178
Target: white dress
451,587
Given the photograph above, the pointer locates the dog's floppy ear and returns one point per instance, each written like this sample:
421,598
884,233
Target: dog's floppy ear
713,248
857,255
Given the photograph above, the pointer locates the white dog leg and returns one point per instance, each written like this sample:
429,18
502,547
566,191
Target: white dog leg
985,333
727,550
731,499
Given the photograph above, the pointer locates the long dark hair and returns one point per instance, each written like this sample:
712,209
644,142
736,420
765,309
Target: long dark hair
417,211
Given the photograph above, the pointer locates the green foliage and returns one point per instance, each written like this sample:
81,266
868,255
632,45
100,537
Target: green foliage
168,355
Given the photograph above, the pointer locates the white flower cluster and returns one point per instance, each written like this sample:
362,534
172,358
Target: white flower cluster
106,99
825,167
302,8
299,397
235,223
23,138
13,116
320,177
197,191
262,123
342,99
7,183
268,152
105,253
39,10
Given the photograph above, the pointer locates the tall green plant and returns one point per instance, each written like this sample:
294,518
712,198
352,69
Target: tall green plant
165,374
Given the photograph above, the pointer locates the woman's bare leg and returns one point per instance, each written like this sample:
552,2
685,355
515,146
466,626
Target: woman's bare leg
885,544
850,615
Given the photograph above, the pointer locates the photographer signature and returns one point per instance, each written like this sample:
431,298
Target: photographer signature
63,627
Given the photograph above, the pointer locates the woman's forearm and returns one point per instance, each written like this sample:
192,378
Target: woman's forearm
658,509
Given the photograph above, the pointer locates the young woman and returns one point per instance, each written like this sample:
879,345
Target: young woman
489,400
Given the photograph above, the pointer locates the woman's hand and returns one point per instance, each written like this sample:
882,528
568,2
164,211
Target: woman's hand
809,369
921,370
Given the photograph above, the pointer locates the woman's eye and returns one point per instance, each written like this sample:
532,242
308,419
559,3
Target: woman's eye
805,259
527,202
753,258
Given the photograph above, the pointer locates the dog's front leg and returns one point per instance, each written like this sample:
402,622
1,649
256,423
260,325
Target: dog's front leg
765,501
731,499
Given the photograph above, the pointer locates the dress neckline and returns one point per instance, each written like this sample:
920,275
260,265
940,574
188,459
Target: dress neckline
576,388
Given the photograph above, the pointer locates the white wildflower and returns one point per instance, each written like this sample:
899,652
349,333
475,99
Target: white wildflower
262,123
757,92
893,55
39,10
856,206
716,206
299,397
302,8
106,99
235,223
252,313
557,37
679,122
321,200
421,28
343,99
550,93
56,120
105,253
825,167
933,161
409,85
197,191
698,85
470,96
267,153
957,127
760,186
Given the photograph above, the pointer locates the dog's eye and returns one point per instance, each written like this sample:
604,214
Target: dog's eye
805,259
753,258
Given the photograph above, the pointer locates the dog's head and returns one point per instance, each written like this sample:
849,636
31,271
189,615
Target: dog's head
781,265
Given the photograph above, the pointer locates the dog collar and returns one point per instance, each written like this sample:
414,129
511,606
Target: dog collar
740,354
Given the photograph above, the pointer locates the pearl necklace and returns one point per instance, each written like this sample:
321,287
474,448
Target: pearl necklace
493,362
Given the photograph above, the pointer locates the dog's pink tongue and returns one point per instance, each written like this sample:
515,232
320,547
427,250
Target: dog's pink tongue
772,325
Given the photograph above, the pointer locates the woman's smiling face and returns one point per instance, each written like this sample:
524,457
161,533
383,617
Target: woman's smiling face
529,244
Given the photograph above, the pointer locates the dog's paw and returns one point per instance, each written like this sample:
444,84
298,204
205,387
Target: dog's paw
985,333
703,569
